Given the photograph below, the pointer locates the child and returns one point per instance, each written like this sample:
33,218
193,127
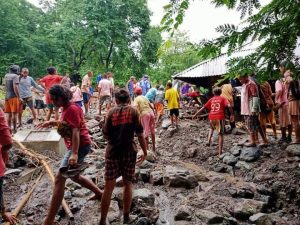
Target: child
77,95
159,102
172,97
5,145
216,106
38,101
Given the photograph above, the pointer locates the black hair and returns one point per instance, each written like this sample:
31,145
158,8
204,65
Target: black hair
122,95
169,84
51,70
14,69
217,91
59,91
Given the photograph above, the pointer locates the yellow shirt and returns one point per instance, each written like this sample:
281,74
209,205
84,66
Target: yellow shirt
142,104
172,97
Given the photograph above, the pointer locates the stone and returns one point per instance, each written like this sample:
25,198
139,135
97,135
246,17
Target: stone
248,207
166,123
230,221
171,131
293,150
81,193
261,219
220,168
250,154
156,178
243,165
201,177
68,195
144,195
236,150
145,175
146,165
179,178
209,217
224,154
230,160
151,156
152,213
12,171
143,221
191,152
183,213
237,131
113,212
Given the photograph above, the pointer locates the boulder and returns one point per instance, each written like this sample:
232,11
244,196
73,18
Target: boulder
293,150
250,154
142,221
236,150
209,217
166,123
261,219
220,168
156,178
152,213
145,175
114,212
230,160
144,195
179,178
151,156
201,177
248,207
183,213
243,165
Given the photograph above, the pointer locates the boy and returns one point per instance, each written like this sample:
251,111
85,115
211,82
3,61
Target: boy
5,145
172,97
216,106
159,102
122,122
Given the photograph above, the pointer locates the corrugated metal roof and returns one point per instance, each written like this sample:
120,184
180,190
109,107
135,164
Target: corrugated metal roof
212,67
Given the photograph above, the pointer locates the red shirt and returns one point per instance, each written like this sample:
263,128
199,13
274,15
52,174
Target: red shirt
5,138
194,94
49,81
73,115
216,106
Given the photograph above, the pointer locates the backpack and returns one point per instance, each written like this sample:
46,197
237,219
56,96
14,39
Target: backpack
295,89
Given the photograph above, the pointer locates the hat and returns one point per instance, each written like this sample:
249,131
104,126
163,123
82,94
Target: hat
138,90
146,76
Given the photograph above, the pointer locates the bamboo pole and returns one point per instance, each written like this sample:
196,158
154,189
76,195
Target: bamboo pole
49,171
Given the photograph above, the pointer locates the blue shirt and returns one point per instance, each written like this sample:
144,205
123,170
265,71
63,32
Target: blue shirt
151,94
99,77
130,87
145,85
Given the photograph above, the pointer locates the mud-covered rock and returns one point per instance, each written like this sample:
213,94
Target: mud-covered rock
248,207
152,213
230,160
261,219
184,213
179,178
144,195
209,217
156,178
293,150
250,154
145,175
236,150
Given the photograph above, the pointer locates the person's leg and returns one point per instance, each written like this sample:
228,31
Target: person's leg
14,120
221,140
210,134
290,130
105,201
86,183
33,113
127,200
9,119
20,113
152,130
57,197
56,116
296,126
50,111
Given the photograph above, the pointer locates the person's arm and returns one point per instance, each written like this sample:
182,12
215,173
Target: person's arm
35,85
139,130
47,124
16,88
142,143
279,91
75,146
197,113
150,105
127,89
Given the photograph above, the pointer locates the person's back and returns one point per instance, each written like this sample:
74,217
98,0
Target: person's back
9,80
105,87
172,97
160,96
216,106
142,104
50,80
151,94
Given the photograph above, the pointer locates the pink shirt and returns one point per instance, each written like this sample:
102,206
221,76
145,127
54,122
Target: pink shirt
77,95
3,128
280,85
105,87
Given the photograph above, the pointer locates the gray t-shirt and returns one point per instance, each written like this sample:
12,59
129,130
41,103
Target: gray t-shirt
25,87
9,80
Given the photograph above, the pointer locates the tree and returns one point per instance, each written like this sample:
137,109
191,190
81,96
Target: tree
276,25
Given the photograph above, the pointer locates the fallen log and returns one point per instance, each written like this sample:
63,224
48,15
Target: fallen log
41,159
24,200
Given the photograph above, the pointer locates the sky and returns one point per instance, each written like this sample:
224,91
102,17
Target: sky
201,18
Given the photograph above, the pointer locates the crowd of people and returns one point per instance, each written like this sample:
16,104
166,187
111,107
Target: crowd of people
133,111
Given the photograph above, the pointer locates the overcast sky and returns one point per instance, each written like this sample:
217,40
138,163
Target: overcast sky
200,20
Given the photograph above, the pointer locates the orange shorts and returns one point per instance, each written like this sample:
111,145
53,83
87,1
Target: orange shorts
12,105
159,107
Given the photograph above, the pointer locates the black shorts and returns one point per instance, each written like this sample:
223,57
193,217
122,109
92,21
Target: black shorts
39,104
27,102
174,112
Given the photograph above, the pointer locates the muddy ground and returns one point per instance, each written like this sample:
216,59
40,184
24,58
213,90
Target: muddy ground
185,182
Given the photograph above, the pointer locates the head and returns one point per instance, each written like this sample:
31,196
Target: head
105,76
169,85
157,86
145,77
217,91
90,73
138,91
59,95
109,75
14,69
243,78
24,72
132,78
51,70
122,96
72,84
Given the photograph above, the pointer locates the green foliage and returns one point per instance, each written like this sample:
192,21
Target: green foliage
275,25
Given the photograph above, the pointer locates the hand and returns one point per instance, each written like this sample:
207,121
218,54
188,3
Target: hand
44,125
9,218
73,159
231,118
21,100
141,159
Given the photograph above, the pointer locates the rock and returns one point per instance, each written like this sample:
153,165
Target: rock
166,123
209,217
145,175
243,165
171,131
179,178
80,193
68,195
143,221
230,160
263,198
248,207
230,221
151,213
151,156
156,178
224,154
113,212
220,168
293,150
191,152
12,171
236,150
183,213
146,165
144,195
261,219
250,154
201,177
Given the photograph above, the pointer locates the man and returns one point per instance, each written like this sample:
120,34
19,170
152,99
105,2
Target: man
145,84
85,89
12,95
5,144
281,99
130,86
78,143
172,97
47,82
121,123
250,109
26,82
105,89
151,94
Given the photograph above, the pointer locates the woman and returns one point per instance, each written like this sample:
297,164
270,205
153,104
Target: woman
294,107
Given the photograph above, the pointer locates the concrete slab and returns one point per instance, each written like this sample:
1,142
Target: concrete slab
39,140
